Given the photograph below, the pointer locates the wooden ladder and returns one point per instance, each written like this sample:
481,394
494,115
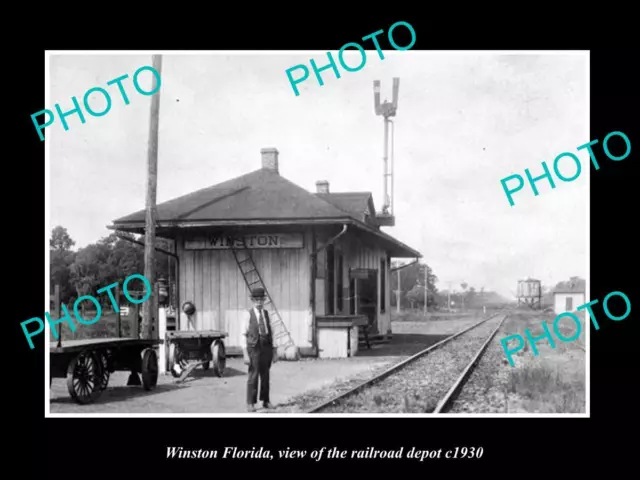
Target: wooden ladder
281,336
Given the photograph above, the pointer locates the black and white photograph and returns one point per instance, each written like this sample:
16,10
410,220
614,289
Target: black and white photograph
411,238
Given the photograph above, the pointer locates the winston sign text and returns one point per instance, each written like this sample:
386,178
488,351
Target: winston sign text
225,242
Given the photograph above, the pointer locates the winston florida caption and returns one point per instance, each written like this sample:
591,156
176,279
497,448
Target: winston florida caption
116,81
67,317
234,453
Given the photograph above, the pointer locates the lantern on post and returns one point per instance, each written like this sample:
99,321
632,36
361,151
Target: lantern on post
162,290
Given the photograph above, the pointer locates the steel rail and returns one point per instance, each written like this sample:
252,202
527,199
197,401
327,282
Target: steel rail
396,367
446,401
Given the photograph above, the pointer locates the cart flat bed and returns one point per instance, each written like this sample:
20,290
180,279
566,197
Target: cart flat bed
87,364
79,345
206,347
197,334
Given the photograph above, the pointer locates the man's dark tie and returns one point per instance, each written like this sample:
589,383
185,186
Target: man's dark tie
263,328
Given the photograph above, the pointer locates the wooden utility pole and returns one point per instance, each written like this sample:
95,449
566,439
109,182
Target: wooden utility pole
152,181
449,298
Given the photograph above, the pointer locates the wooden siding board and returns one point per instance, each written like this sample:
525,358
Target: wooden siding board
225,287
207,304
296,321
289,295
181,284
198,285
237,293
188,278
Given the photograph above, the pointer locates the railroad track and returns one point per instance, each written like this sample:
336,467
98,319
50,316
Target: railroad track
414,391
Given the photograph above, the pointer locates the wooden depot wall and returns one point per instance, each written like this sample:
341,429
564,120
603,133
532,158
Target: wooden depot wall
210,278
358,252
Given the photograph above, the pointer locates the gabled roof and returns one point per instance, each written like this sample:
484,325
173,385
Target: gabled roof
263,197
261,194
575,285
357,204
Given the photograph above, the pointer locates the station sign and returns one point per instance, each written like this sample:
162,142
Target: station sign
252,241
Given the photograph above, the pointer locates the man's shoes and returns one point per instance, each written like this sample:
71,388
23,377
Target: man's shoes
267,405
251,408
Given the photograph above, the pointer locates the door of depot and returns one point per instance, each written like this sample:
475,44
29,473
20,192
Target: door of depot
367,295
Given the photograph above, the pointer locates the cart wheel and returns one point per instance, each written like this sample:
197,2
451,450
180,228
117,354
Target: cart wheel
219,357
173,353
105,370
149,368
84,375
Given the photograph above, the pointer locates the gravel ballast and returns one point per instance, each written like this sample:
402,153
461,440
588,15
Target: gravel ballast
417,387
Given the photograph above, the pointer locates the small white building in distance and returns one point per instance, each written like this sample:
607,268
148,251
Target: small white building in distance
568,296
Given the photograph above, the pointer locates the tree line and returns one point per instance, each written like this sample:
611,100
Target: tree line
412,290
109,260
412,285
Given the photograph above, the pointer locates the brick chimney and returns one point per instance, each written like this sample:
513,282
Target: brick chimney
322,186
270,159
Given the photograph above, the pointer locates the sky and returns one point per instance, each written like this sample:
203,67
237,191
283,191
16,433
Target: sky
464,122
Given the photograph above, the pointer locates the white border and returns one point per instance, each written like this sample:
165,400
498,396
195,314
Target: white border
46,337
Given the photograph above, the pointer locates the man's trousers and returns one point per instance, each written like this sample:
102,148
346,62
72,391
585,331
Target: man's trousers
260,358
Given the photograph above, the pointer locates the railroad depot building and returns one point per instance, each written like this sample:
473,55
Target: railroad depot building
321,257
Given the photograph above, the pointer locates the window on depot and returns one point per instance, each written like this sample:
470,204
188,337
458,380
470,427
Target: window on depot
330,281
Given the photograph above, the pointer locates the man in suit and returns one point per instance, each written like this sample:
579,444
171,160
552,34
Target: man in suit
258,350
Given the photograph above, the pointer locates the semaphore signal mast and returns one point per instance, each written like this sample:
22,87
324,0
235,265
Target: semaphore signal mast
386,109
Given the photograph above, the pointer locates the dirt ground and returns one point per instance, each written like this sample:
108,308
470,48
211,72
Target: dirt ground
205,393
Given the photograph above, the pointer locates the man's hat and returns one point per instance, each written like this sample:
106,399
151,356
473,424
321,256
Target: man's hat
257,293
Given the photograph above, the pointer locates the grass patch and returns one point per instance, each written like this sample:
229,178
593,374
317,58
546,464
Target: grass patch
554,381
545,389
418,315
518,322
